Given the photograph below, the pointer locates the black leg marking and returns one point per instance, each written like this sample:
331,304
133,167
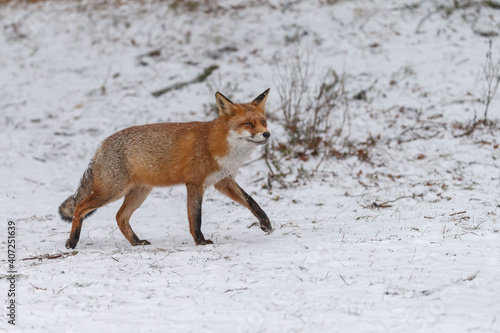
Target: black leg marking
265,224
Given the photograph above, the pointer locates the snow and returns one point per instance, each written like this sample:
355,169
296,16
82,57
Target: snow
427,260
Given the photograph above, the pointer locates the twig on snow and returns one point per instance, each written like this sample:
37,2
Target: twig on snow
385,204
235,289
458,213
103,85
200,78
52,256
343,279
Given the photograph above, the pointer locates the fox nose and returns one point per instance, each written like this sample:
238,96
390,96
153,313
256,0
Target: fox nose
266,135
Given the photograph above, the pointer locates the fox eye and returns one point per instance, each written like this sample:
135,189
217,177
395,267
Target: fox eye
248,124
263,123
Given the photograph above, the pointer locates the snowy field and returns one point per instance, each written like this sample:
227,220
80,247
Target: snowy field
405,239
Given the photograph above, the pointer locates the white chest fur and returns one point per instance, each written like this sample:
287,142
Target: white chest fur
239,152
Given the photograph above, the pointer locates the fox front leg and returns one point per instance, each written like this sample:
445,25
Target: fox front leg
230,188
194,201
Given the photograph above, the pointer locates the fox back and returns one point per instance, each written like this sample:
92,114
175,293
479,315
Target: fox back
167,154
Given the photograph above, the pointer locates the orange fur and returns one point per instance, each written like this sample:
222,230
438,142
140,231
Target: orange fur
199,154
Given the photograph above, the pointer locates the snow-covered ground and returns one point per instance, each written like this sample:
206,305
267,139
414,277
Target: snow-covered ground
424,258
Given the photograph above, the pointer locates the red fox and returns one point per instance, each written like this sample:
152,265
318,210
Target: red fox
198,154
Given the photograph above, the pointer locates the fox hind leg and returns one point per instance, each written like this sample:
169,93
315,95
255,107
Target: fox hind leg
133,200
82,209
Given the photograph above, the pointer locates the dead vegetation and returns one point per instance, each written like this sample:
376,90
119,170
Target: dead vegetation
4,2
313,116
489,76
470,11
314,109
52,256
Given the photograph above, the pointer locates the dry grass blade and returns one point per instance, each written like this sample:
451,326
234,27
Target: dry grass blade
52,256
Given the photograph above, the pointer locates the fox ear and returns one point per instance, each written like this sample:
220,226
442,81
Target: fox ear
226,107
260,101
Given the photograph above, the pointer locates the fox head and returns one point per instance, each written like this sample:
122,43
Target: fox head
247,122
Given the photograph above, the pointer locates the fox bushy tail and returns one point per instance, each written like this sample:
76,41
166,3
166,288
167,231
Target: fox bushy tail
67,208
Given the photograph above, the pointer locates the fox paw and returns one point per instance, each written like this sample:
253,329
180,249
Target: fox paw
266,228
70,244
142,242
204,242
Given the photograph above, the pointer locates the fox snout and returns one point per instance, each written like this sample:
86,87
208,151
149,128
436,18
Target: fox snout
260,138
265,136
